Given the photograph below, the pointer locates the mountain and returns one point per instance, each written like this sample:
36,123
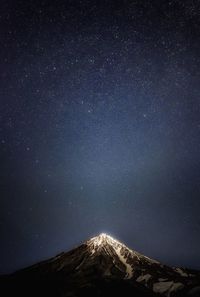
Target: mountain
101,266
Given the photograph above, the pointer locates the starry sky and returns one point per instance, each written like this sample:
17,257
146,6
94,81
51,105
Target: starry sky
99,127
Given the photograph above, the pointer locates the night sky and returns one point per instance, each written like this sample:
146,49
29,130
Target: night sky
99,127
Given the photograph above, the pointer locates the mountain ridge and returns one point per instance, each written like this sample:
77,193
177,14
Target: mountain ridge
102,264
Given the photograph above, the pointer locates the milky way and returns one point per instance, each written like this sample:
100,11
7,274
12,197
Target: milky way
99,127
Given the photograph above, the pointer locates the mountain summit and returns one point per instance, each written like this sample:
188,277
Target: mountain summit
101,266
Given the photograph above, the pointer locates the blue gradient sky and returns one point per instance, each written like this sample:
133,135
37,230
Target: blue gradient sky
99,128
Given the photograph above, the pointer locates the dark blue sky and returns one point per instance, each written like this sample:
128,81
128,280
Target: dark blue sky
99,127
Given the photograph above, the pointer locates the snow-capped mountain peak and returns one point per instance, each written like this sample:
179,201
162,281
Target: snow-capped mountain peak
103,264
114,249
103,239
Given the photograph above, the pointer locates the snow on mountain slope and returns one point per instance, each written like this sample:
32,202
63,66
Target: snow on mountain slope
106,261
137,267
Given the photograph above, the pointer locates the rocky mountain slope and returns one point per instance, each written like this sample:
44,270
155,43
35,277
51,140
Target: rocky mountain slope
101,266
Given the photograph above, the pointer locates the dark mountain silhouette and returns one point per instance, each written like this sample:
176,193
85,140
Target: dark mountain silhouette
101,266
